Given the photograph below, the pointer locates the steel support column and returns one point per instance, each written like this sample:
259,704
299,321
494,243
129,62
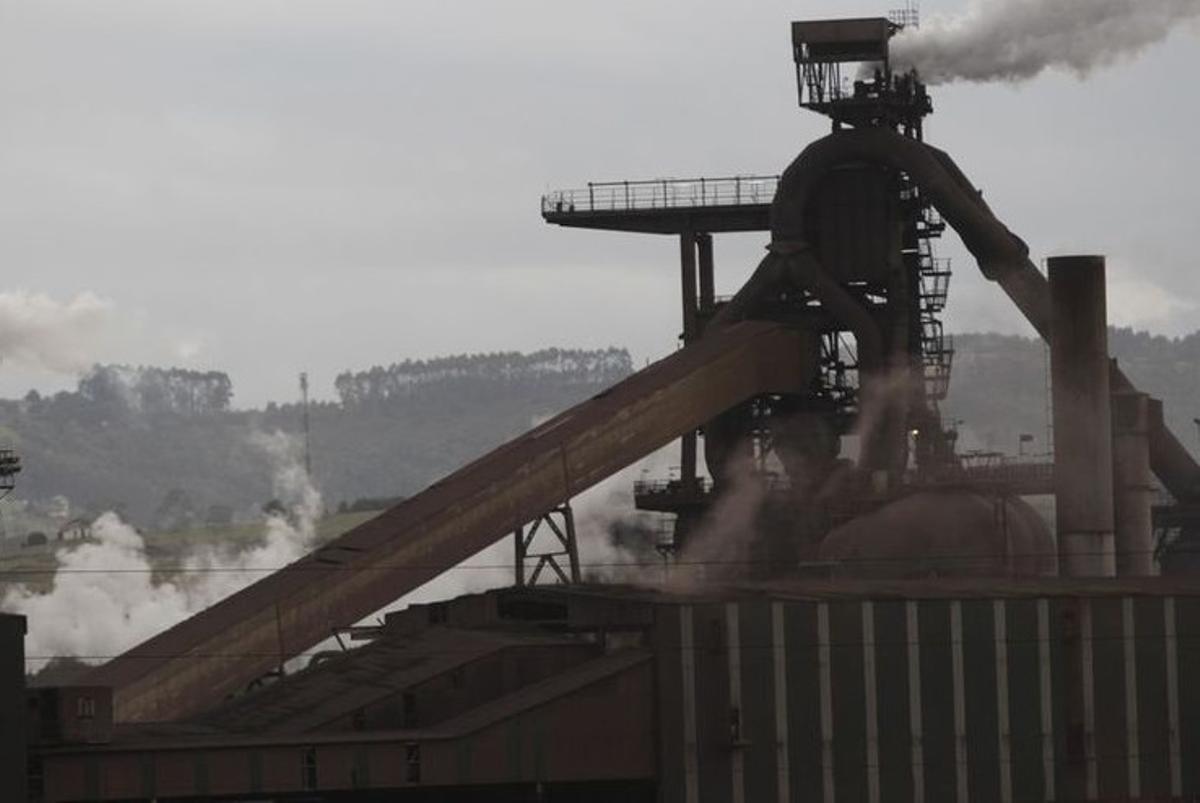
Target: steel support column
687,269
687,266
704,247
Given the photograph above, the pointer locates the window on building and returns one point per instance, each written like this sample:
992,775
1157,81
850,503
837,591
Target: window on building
308,768
412,762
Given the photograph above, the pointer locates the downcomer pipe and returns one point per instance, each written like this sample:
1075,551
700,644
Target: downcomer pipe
1002,256
1083,461
793,264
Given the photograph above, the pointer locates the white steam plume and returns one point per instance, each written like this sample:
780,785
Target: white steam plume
104,598
611,502
1015,40
719,549
37,331
285,539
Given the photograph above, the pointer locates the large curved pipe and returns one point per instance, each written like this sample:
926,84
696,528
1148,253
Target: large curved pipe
792,264
883,412
1002,256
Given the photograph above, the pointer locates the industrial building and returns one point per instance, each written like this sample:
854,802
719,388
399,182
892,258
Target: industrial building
890,621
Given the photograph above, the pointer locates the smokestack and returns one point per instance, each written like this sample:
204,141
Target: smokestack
1133,484
1083,464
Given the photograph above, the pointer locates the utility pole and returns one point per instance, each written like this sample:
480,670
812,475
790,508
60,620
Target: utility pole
307,439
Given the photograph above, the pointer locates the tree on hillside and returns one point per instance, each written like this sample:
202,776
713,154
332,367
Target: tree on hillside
380,386
121,389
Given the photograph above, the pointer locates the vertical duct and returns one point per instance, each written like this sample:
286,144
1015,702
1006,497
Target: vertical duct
1083,465
1133,484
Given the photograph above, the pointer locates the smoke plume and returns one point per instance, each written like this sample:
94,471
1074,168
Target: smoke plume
616,541
1015,40
720,548
38,332
106,596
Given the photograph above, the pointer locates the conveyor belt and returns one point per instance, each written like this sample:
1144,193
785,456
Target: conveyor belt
214,653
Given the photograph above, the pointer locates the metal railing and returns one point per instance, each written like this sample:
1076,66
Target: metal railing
991,469
659,487
629,196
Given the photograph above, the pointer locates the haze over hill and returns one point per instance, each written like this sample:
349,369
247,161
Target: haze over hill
165,449
999,385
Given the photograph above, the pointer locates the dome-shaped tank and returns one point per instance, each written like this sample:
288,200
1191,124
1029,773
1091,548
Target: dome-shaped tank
944,533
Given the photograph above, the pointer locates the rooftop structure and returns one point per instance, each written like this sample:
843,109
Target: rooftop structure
843,70
834,689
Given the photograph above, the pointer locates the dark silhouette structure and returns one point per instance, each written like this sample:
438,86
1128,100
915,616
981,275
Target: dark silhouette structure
852,610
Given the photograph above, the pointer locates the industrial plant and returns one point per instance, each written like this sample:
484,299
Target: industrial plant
845,607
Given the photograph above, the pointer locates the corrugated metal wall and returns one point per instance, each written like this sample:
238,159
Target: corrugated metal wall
1064,698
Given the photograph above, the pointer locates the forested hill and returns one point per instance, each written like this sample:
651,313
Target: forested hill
384,387
165,446
999,384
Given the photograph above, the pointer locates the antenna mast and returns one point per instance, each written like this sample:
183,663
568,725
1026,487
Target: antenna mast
907,17
304,412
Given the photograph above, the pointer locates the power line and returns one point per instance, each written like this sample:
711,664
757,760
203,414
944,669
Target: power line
328,565
672,649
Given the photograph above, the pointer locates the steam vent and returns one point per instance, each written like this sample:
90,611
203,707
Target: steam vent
846,607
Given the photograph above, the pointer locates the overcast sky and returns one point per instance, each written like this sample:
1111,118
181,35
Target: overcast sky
270,187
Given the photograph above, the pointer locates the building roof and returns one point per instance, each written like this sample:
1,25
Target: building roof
344,683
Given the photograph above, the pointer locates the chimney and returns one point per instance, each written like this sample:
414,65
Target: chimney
1083,462
1133,485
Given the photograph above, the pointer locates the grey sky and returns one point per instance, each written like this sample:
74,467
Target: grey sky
268,187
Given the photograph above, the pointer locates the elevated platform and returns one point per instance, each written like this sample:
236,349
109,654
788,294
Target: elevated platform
666,206
1004,478
672,495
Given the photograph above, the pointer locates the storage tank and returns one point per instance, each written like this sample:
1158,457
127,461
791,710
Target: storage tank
944,533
